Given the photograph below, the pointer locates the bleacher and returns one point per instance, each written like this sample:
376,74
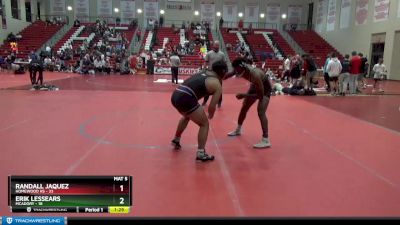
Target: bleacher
259,45
86,33
64,39
281,43
232,39
314,45
33,38
164,33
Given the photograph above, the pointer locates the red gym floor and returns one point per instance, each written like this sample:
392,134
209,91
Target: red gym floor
330,156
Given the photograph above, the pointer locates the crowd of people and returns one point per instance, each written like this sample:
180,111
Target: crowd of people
346,76
109,54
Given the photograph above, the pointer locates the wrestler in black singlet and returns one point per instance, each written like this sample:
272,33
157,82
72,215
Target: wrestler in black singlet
186,96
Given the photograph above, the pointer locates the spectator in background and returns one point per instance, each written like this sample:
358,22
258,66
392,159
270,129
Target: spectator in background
161,21
175,63
228,47
293,27
240,25
379,71
295,69
98,64
133,63
107,66
77,23
344,76
32,56
221,22
264,65
362,84
150,65
310,70
250,28
334,69
47,63
151,23
3,63
213,56
48,50
11,37
355,65
326,75
286,69
143,55
48,22
124,66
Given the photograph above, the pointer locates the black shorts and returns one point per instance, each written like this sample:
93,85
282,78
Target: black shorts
184,101
286,73
333,78
267,89
295,73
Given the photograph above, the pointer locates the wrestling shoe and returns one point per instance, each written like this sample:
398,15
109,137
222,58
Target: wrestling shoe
204,157
176,144
235,133
264,143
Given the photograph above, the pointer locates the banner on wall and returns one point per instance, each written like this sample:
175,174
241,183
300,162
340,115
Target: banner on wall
381,10
230,11
398,9
273,13
3,16
361,12
104,8
165,70
345,12
208,13
251,11
294,14
127,11
81,9
331,18
321,15
179,5
150,11
57,7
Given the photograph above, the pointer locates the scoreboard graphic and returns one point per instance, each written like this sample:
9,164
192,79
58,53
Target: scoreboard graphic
70,194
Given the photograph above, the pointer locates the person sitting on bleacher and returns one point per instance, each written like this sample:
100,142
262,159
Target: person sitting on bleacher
11,37
85,64
10,59
77,23
107,66
151,24
293,27
32,56
59,64
48,64
99,64
3,64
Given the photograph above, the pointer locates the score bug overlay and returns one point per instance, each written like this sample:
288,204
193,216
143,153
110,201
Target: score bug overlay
70,194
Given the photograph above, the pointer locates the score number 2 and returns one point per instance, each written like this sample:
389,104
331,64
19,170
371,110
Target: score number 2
121,200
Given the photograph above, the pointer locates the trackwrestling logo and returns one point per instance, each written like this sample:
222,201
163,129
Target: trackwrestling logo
32,220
